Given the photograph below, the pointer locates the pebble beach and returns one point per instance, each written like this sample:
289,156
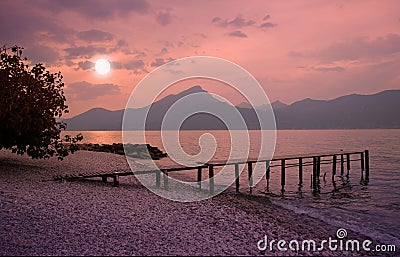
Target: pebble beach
40,216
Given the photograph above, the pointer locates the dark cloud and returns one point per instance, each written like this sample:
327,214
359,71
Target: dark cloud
216,19
237,22
164,18
361,48
95,35
160,61
122,43
86,65
267,25
82,91
266,17
116,65
41,53
163,51
330,69
237,33
134,65
24,25
97,9
85,51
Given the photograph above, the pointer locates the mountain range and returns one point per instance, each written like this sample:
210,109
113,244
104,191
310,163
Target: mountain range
380,110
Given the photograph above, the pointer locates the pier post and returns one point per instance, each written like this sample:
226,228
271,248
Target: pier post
115,180
367,165
165,180
314,173
362,161
334,167
250,170
318,167
199,177
348,164
341,165
237,177
211,177
268,173
283,175
300,171
158,178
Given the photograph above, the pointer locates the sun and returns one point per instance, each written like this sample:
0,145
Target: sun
102,66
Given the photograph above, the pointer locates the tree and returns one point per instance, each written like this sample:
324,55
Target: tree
31,102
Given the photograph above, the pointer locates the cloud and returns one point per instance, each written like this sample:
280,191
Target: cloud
86,65
266,17
268,25
163,51
83,91
134,64
160,61
95,35
85,51
164,18
237,33
41,53
116,65
97,9
360,48
237,22
26,26
330,69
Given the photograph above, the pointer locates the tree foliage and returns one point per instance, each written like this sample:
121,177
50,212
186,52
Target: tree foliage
31,102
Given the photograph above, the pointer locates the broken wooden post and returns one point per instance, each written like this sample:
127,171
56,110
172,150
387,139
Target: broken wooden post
314,173
199,177
334,167
348,165
211,177
283,175
115,178
237,177
250,171
300,171
341,165
367,165
318,168
268,173
362,161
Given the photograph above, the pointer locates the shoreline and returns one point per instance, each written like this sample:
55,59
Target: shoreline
90,218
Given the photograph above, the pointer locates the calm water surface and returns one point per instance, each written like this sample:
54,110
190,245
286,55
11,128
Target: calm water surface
373,210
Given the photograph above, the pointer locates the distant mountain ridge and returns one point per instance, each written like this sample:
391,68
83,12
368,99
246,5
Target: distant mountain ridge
380,110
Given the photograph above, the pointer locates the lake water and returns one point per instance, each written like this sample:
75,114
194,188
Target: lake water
372,210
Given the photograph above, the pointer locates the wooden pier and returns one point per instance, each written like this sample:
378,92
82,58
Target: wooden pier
284,162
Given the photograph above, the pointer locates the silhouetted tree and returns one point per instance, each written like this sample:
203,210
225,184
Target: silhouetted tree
31,100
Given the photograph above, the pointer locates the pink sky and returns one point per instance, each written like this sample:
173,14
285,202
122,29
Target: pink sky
295,49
